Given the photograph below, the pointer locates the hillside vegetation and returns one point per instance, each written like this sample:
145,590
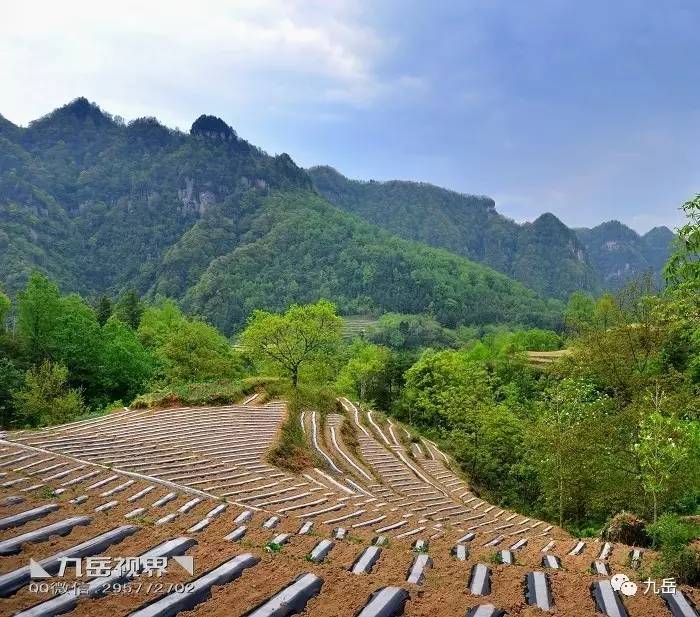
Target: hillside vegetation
607,433
206,218
545,255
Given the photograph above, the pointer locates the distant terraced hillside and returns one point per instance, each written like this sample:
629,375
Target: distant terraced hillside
357,325
544,358
381,527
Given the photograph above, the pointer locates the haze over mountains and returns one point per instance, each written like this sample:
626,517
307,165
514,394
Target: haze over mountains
211,220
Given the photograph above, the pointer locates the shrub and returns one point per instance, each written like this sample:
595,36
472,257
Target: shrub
671,536
626,528
45,398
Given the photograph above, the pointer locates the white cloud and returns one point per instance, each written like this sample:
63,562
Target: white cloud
169,58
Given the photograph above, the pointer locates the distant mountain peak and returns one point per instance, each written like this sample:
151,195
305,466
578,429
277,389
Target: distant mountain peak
79,112
149,132
547,219
7,128
82,109
614,230
213,127
326,169
659,233
5,122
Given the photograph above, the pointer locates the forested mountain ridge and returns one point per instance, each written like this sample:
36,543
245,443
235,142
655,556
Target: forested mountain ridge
210,220
618,252
78,185
545,254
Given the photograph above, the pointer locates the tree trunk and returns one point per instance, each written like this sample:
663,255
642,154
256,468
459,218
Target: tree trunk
295,376
561,501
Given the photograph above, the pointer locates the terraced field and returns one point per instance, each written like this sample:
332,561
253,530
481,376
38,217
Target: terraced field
381,527
357,325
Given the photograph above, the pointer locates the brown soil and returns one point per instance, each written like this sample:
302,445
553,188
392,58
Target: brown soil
444,592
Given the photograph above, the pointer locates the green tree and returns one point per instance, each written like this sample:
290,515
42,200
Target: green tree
663,448
158,322
365,375
564,449
186,350
62,329
5,305
11,379
443,389
46,398
38,314
126,365
607,312
580,312
411,332
195,351
683,267
301,336
104,309
76,343
623,350
129,309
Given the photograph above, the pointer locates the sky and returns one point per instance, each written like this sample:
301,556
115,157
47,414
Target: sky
589,110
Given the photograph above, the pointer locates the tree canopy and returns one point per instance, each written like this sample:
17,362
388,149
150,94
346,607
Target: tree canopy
296,339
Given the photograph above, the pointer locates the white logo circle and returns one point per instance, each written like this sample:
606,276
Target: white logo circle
628,588
617,581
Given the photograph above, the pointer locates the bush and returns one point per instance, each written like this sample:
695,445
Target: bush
671,537
45,398
626,528
670,531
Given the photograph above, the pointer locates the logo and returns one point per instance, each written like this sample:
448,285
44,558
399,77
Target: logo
94,567
622,583
99,569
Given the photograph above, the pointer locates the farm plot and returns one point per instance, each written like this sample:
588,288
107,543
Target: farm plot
381,527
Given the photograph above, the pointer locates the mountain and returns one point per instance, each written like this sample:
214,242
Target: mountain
545,255
618,252
213,221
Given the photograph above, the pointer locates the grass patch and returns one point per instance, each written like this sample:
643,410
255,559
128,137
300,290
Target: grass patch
46,492
586,530
221,392
496,559
349,436
292,452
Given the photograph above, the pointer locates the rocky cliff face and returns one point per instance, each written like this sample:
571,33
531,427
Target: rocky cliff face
619,253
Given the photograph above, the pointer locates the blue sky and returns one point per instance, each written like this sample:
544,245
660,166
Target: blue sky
587,110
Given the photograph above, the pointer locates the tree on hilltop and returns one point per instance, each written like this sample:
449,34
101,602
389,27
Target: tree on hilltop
294,339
